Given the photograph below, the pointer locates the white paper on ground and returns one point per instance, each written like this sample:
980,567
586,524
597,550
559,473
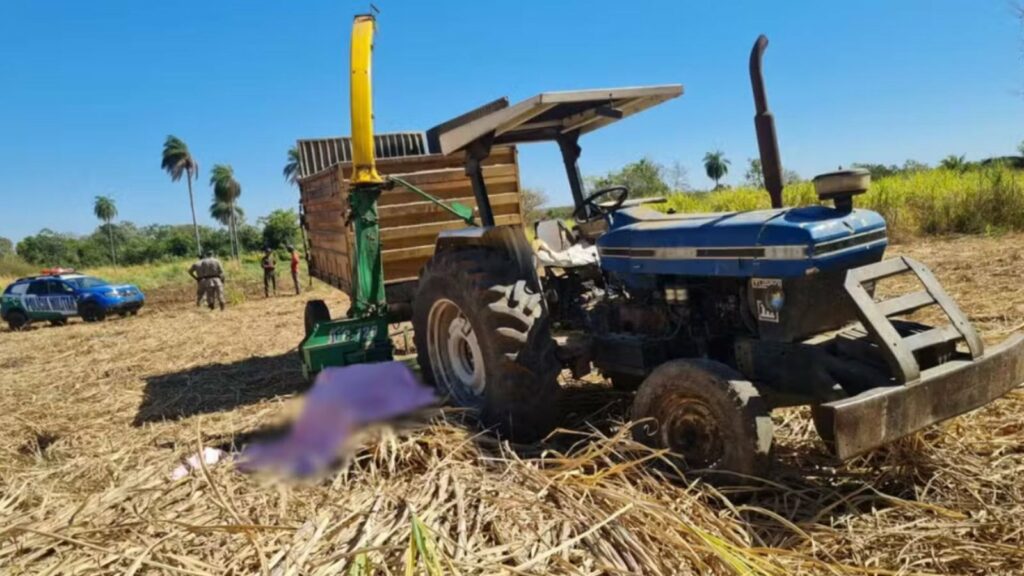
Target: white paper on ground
210,456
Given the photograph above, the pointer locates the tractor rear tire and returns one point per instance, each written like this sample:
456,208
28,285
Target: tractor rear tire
315,313
483,338
16,320
706,415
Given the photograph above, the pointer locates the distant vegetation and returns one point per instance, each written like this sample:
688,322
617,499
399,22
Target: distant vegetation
957,197
153,243
929,201
162,247
716,166
177,161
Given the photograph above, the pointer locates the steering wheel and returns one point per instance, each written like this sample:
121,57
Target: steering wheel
593,208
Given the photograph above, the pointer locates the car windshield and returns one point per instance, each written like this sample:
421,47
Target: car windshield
86,282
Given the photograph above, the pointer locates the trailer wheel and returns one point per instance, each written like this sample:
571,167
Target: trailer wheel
16,320
316,312
706,415
483,338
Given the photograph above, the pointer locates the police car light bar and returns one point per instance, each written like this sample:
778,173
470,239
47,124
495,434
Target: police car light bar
56,271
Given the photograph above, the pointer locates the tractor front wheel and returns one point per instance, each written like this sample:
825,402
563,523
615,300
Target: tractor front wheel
706,415
483,338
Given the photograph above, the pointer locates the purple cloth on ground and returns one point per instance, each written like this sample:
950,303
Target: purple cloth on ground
340,401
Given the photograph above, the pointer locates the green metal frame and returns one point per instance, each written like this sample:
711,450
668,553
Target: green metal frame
463,212
363,336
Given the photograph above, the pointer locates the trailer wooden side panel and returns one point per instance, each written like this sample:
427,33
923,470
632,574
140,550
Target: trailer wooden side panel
410,224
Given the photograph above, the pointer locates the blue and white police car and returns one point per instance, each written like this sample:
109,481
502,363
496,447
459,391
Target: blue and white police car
58,294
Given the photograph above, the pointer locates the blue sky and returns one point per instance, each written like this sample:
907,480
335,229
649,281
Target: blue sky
90,89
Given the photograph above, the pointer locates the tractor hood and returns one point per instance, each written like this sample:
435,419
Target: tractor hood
767,243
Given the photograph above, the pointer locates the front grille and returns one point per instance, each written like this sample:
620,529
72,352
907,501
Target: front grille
849,242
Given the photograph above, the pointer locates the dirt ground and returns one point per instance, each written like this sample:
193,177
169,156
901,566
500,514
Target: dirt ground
94,417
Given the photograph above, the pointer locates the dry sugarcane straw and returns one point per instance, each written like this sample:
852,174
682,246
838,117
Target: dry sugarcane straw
95,416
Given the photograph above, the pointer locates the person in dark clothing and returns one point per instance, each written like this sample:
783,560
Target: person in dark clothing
295,267
269,272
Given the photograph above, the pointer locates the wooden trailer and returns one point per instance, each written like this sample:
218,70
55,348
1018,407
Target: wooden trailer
409,224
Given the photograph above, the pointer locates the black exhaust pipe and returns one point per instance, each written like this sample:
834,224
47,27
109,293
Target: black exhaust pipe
764,123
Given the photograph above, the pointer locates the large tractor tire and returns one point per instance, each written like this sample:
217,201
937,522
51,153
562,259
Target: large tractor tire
483,338
706,415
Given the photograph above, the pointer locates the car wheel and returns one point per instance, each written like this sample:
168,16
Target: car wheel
92,313
16,320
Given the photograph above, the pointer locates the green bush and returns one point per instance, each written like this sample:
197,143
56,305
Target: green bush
939,201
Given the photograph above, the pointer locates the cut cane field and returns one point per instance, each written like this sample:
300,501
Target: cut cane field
94,417
563,288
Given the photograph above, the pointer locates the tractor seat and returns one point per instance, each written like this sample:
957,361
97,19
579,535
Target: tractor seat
556,246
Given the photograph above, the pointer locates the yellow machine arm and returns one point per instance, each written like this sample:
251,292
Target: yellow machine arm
364,170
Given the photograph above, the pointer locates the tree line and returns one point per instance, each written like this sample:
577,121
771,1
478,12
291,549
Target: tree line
127,243
646,178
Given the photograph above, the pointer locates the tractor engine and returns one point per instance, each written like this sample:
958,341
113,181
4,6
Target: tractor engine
635,329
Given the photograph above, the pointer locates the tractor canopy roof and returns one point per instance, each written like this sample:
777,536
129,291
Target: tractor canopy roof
548,115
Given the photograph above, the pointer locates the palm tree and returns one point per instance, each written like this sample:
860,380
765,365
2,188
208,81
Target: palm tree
228,216
716,165
291,168
178,161
226,191
105,209
954,163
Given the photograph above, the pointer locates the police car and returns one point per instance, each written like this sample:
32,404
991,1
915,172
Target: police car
58,294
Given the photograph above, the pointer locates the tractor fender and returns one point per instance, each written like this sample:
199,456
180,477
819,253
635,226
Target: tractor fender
508,239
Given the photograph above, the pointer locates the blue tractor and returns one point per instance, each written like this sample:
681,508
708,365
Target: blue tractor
714,319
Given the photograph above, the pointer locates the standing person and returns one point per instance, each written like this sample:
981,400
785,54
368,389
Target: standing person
269,276
193,271
209,274
295,268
